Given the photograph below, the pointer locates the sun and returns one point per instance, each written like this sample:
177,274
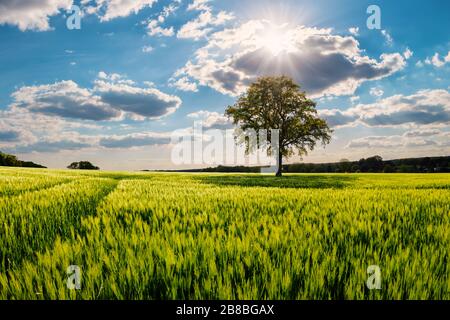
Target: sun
275,39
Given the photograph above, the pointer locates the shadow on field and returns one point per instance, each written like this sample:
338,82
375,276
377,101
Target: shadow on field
297,181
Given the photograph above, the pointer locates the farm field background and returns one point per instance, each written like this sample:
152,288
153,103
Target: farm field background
223,236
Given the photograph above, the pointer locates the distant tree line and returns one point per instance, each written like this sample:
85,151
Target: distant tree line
371,164
377,164
8,160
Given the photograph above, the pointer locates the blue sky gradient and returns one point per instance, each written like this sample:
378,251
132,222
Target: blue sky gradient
129,76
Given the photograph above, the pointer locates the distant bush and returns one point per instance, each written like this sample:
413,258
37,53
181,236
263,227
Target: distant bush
82,165
8,160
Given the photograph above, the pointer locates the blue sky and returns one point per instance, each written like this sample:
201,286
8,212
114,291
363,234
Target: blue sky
114,91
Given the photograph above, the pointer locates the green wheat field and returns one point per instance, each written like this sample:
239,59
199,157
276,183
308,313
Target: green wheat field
223,236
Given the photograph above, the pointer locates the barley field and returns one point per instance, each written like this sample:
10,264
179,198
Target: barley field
223,236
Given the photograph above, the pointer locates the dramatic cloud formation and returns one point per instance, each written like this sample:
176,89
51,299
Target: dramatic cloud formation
111,97
145,102
65,99
323,63
31,14
425,107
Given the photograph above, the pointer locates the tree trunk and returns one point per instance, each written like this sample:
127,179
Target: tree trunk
280,164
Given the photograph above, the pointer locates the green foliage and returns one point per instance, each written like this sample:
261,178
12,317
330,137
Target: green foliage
278,103
82,165
216,236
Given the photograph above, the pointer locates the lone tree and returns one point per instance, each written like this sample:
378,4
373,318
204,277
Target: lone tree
278,103
82,165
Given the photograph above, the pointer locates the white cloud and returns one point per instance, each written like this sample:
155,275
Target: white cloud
135,140
201,26
422,133
423,108
199,5
354,31
376,92
437,61
387,37
353,99
184,84
140,102
31,14
111,9
112,97
395,141
154,29
407,53
65,99
321,62
211,120
147,49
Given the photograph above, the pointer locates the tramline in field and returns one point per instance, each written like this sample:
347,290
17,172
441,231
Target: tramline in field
223,236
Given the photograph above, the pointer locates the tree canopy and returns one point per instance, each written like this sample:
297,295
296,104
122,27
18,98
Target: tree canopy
82,165
278,103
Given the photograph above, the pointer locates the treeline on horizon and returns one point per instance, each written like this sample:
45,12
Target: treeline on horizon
374,164
8,160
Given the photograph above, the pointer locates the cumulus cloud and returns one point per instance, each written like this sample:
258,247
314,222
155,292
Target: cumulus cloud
421,108
437,61
135,140
54,142
323,63
111,98
31,14
338,118
425,107
201,26
65,99
211,120
111,9
354,31
145,102
408,53
200,5
183,84
154,27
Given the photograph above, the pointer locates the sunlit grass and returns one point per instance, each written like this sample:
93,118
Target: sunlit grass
219,236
